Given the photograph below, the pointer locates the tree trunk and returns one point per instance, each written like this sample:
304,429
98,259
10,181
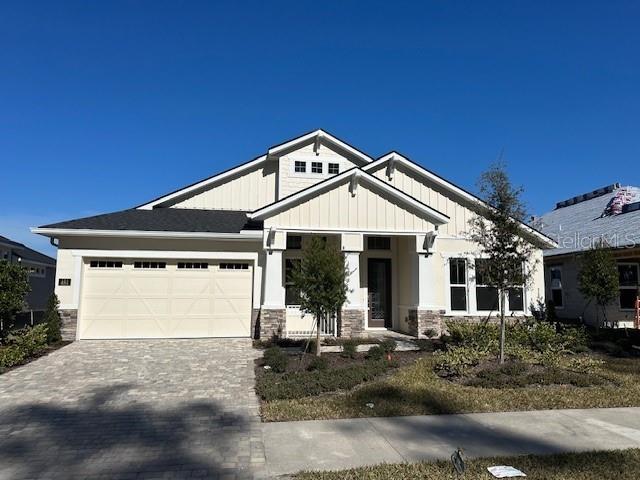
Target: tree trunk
318,336
502,325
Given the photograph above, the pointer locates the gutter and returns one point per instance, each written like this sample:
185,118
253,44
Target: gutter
77,232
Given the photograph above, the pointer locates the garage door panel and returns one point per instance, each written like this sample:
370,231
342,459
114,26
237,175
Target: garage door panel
165,303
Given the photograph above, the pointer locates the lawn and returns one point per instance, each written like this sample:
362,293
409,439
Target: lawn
416,390
617,464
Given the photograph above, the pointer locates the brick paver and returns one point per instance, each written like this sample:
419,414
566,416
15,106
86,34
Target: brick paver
133,409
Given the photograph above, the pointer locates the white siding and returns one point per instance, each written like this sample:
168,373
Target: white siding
248,190
370,209
430,194
291,182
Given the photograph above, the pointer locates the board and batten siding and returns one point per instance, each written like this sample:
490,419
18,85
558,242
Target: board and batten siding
291,182
370,209
430,194
248,190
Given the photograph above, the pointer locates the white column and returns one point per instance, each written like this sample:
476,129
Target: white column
425,274
354,295
273,284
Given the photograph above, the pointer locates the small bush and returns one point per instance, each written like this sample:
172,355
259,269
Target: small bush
430,333
457,361
424,345
276,359
293,385
587,365
477,335
349,349
318,363
22,344
52,320
388,345
375,353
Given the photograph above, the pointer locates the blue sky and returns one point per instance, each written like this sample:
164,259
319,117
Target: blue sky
104,105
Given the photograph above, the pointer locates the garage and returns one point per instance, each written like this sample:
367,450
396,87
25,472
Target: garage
158,298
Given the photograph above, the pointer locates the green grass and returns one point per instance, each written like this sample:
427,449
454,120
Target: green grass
416,390
617,464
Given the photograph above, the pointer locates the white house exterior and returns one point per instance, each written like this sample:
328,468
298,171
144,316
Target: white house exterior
211,259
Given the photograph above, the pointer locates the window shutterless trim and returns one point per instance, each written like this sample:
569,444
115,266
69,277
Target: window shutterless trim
105,264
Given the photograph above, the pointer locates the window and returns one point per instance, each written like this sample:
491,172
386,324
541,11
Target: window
515,295
486,296
35,271
316,167
234,266
291,293
149,265
105,264
458,282
379,243
193,265
628,276
556,286
294,242
300,167
334,168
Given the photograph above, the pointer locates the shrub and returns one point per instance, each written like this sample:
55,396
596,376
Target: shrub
52,320
318,363
22,344
276,359
388,345
457,361
424,345
587,365
349,349
294,385
375,353
477,335
575,339
430,333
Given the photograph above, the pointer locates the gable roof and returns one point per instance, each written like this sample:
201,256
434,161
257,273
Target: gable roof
355,174
157,220
460,192
577,224
26,253
271,152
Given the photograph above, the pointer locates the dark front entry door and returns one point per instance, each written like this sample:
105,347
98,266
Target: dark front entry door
379,285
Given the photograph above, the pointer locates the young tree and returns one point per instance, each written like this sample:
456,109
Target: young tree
322,282
598,278
14,285
498,232
53,320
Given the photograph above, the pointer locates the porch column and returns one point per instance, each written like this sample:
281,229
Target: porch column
352,316
426,317
273,312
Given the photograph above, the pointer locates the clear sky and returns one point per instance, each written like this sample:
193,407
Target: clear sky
104,105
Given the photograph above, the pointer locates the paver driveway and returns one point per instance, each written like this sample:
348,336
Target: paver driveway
133,409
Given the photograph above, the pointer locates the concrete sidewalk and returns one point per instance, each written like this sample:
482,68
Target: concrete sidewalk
338,444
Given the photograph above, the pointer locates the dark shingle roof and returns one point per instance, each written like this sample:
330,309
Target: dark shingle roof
165,220
27,253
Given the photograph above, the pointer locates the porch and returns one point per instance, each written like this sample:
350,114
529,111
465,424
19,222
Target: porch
391,285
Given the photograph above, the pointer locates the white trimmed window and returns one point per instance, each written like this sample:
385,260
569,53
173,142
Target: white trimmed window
334,168
486,296
291,293
147,265
234,266
628,276
316,167
458,284
557,296
300,166
193,265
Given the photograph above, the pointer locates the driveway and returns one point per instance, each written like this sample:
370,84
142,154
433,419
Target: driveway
133,409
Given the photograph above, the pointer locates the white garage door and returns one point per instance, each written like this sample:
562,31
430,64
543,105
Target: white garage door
165,299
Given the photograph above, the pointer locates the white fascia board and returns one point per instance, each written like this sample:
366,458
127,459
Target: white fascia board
274,151
203,183
165,254
434,215
73,232
450,187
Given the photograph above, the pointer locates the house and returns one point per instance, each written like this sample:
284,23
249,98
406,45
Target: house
610,214
41,268
214,258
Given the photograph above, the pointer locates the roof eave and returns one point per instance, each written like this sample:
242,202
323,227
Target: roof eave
83,232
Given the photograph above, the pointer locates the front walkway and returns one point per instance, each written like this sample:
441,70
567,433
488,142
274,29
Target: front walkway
133,409
340,444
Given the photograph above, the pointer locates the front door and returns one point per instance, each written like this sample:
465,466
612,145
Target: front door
379,285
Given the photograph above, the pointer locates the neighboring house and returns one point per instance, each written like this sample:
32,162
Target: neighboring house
214,258
611,214
41,268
